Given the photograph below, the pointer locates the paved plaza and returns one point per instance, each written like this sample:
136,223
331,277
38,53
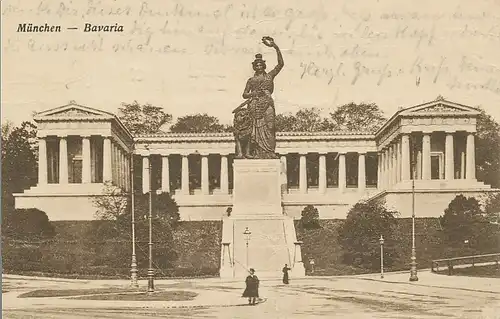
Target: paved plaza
368,296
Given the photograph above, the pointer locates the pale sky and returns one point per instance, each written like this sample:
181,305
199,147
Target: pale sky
196,55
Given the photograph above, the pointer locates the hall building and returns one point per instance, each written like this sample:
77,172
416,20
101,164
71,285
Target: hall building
428,149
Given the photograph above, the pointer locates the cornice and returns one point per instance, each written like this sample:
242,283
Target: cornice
228,137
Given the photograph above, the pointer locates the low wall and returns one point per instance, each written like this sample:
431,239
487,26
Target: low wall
430,203
338,211
427,203
62,207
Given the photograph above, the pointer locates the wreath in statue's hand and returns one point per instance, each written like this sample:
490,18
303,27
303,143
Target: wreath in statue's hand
268,41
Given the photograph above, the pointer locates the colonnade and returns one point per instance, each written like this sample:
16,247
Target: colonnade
224,173
403,159
115,161
407,157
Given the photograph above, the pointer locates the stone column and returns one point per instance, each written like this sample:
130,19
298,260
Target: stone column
390,166
462,165
303,174
392,163
112,162
204,175
284,180
145,174
119,166
224,175
382,169
418,168
127,171
185,175
397,176
165,174
361,172
86,168
449,156
405,157
342,172
426,156
42,161
63,160
471,158
322,174
93,160
124,169
379,171
388,156
115,167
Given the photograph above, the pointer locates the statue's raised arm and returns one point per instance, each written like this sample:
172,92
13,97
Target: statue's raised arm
268,41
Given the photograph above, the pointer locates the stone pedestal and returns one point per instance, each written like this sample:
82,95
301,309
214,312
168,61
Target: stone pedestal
257,187
226,269
298,270
258,235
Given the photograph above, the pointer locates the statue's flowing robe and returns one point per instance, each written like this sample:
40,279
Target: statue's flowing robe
263,115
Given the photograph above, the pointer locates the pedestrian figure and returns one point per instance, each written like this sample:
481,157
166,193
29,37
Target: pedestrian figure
252,287
285,274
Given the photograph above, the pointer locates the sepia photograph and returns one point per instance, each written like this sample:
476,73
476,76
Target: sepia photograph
245,159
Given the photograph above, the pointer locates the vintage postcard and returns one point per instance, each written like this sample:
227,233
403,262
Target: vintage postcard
242,159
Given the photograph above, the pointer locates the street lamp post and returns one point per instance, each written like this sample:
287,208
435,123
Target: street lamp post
247,234
133,270
150,244
413,270
381,240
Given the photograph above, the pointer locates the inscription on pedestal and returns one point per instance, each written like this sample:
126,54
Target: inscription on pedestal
257,187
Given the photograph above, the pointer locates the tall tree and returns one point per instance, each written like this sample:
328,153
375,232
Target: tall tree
198,123
19,160
164,207
285,122
464,222
305,120
357,117
488,150
360,233
113,204
310,120
7,128
143,119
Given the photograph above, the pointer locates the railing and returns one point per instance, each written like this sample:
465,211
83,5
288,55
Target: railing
466,261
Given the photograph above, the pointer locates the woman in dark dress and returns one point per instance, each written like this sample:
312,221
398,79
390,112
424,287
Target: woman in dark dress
252,287
285,274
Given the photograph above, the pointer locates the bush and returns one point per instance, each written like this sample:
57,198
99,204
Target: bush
466,226
321,245
359,235
26,224
77,252
163,205
310,217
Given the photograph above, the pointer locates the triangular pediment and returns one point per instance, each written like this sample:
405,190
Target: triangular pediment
440,106
73,111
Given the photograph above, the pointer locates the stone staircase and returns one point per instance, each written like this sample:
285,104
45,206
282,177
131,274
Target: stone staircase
267,248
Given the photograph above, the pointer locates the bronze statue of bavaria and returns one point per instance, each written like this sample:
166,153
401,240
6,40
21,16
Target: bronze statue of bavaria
254,119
